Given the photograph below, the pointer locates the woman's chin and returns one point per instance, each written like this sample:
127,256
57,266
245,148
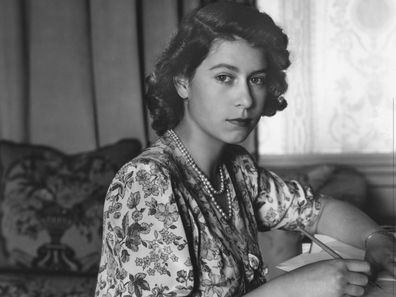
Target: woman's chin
237,138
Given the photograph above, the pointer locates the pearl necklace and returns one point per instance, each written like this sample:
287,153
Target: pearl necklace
207,185
191,162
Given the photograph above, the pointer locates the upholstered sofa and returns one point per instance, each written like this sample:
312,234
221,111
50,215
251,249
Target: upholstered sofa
51,207
51,215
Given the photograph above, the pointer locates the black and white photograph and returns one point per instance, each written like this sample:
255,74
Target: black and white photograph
204,148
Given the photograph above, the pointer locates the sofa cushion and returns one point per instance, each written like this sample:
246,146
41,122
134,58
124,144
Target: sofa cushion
338,181
347,184
44,285
315,176
51,205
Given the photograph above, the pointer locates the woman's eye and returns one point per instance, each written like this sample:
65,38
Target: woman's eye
224,78
258,80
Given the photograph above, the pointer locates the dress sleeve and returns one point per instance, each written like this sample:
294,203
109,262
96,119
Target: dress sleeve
284,204
144,249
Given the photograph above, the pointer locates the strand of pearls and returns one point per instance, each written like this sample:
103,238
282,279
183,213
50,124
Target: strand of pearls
229,204
208,186
194,166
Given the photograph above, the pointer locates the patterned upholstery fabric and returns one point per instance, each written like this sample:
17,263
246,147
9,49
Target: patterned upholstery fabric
44,285
52,204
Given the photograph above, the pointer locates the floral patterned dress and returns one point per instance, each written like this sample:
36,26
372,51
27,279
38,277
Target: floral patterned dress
163,236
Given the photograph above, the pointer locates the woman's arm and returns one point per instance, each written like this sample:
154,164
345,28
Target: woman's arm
344,222
331,278
282,204
347,223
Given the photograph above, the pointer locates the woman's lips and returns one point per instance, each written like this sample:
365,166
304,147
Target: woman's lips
240,122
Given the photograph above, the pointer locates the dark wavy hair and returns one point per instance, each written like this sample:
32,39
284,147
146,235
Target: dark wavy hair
191,45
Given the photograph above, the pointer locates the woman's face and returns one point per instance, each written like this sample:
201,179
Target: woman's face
227,93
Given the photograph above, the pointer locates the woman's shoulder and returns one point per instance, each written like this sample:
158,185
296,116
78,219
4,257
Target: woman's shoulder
158,152
238,154
238,158
147,175
157,157
241,158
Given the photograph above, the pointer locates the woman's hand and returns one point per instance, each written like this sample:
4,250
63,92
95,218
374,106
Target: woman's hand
381,253
330,278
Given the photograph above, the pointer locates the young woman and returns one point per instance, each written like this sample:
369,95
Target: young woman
182,218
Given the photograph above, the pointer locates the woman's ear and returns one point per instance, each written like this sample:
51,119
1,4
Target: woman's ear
182,86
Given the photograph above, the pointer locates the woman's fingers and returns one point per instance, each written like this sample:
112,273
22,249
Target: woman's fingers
358,279
355,283
358,266
353,290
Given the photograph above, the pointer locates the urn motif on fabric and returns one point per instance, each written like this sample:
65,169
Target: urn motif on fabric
52,206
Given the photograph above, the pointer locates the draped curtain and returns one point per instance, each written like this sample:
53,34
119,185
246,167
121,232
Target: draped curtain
342,79
72,72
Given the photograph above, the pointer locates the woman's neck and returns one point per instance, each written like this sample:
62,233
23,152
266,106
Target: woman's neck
204,149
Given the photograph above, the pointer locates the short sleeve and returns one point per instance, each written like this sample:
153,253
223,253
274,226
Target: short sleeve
144,250
284,204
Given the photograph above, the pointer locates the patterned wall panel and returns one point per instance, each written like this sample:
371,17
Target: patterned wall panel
342,79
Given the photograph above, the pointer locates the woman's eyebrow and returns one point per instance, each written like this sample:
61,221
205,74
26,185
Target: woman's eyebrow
224,65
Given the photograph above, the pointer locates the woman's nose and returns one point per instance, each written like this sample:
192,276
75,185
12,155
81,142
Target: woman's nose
244,98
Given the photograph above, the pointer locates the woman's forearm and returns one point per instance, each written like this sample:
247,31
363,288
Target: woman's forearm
345,222
279,287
